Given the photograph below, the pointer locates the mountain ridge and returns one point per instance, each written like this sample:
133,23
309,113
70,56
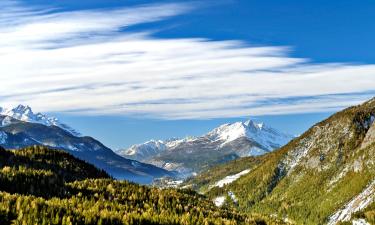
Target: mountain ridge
26,114
226,142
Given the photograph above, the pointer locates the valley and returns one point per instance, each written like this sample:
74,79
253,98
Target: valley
324,176
187,112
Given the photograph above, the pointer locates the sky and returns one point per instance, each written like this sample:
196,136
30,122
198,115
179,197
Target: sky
125,71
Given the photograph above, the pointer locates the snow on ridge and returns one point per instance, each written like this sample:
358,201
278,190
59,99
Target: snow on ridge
144,149
358,203
258,132
26,114
230,179
3,137
6,121
171,143
266,139
360,222
152,147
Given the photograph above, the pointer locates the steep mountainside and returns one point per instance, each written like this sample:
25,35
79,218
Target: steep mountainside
42,186
16,134
326,175
225,143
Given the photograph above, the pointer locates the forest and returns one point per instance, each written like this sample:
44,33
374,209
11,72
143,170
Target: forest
44,186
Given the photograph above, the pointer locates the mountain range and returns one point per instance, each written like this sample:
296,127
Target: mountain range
21,127
222,144
324,176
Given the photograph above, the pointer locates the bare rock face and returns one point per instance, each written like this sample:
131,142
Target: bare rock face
370,135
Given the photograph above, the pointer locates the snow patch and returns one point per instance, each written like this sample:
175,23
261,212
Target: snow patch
233,197
3,137
175,183
338,177
358,203
230,179
296,156
360,222
6,121
219,201
174,142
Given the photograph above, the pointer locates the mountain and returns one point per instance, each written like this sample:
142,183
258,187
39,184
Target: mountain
15,134
225,143
26,114
325,176
43,186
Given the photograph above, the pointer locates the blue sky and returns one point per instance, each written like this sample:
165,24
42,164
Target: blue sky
323,31
125,71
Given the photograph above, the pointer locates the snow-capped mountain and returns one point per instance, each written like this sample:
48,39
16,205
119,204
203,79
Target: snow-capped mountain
20,127
146,149
267,137
224,143
26,114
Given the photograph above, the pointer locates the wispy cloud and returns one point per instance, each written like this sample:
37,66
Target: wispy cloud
86,62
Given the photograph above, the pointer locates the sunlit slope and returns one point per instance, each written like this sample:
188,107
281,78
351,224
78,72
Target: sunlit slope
312,177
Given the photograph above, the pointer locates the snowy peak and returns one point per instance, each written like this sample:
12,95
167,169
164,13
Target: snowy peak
26,114
146,149
266,136
223,143
20,112
231,131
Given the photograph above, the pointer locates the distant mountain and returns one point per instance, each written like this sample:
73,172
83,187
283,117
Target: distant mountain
37,129
225,143
26,114
325,176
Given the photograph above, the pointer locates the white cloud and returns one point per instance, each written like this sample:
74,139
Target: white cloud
80,61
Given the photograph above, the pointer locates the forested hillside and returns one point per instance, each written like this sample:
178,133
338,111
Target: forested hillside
42,186
327,175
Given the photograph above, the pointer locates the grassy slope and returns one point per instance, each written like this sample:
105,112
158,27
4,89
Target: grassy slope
334,170
204,180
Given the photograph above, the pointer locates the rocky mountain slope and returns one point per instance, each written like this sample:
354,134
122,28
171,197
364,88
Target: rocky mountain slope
225,143
27,130
325,176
